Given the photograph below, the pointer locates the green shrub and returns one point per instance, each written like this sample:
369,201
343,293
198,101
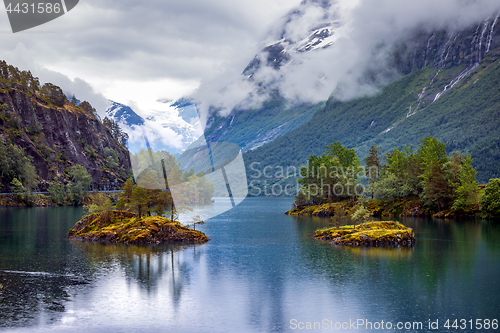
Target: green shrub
490,200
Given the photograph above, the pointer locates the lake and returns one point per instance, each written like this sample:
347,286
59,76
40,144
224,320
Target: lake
261,272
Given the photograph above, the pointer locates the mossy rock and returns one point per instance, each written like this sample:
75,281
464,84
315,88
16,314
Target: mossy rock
126,227
369,234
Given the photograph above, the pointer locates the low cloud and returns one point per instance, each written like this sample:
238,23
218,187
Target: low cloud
363,35
166,41
101,44
24,59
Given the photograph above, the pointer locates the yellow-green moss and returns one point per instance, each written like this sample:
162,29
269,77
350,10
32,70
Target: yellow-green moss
127,227
369,233
321,210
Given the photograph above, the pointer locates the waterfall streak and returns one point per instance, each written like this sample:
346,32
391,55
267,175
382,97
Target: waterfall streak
490,37
459,78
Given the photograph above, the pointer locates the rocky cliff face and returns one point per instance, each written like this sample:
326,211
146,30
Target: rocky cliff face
444,49
60,137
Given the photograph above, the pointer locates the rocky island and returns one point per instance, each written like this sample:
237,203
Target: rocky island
125,227
368,234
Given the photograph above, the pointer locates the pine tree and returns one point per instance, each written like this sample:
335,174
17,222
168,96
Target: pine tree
373,167
17,187
54,94
436,190
57,192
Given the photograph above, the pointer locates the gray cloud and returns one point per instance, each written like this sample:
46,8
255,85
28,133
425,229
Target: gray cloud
22,58
109,41
104,42
150,39
365,31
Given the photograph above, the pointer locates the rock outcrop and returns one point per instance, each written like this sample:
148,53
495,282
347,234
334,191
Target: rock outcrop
60,137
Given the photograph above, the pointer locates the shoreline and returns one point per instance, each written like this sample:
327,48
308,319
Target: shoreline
381,208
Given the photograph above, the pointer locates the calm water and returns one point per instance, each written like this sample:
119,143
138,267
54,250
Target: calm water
260,271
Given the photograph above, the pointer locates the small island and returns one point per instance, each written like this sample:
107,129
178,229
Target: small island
136,215
381,233
125,227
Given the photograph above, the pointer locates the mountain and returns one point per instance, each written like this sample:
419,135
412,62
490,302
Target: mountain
39,125
440,82
172,130
448,89
183,122
292,41
187,109
123,114
252,128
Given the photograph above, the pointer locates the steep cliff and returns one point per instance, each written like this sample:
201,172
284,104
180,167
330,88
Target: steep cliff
58,137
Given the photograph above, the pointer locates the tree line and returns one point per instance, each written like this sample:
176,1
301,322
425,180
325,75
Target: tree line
439,182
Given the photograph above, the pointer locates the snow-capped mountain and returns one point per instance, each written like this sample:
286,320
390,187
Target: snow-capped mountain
268,112
123,114
183,121
316,53
172,130
293,40
187,109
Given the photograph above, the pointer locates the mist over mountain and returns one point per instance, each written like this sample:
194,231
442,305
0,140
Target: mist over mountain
362,73
323,75
339,48
353,53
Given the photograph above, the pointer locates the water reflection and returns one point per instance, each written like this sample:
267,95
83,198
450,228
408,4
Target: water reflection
450,270
30,297
260,270
35,265
147,266
393,253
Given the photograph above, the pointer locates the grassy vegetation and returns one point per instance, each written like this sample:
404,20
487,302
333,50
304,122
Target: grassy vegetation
327,209
369,233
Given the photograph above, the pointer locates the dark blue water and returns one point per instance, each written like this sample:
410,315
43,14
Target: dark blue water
261,272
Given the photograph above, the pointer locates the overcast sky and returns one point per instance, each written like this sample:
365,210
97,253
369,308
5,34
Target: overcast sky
136,52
